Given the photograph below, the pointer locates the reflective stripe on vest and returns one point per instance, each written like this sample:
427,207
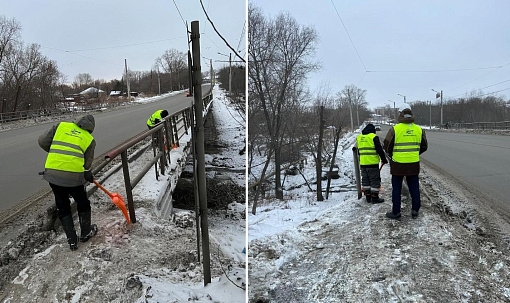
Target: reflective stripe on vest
152,120
367,152
67,148
407,143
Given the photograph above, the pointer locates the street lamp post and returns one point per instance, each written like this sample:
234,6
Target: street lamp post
430,114
403,96
441,94
394,112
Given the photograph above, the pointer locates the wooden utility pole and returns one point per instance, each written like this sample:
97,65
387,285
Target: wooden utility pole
337,139
127,81
200,149
318,161
230,73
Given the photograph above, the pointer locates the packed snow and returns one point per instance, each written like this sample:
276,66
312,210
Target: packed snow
345,250
155,259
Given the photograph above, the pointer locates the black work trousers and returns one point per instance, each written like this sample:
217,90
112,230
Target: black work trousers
370,178
64,203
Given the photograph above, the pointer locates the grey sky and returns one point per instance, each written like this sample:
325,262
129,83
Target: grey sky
96,33
423,36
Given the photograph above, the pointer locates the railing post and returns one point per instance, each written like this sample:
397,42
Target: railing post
127,183
162,159
153,144
185,122
168,141
176,131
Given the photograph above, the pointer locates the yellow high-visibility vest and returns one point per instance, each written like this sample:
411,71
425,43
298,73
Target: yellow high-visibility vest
152,119
407,143
68,148
367,152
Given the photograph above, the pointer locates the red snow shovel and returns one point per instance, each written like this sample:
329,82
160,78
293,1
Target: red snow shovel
117,200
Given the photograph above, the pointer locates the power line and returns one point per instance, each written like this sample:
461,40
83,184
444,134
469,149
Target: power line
364,74
494,92
349,35
180,15
433,71
125,45
242,35
69,52
484,87
478,78
214,27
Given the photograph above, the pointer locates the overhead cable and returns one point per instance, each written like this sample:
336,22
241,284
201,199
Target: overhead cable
345,28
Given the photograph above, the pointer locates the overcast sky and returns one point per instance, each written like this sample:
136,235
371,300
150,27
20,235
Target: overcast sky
394,38
96,36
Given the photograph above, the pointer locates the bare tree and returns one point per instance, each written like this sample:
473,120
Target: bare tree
22,66
175,63
355,97
279,53
82,80
9,32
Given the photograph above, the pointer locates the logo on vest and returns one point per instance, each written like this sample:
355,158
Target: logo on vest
74,133
409,132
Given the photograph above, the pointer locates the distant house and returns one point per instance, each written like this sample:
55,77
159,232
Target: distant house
91,92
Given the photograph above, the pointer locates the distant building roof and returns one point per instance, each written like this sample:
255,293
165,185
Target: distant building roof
91,90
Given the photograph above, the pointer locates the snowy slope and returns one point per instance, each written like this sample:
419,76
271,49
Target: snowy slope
345,250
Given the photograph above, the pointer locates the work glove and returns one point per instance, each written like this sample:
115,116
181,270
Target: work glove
88,176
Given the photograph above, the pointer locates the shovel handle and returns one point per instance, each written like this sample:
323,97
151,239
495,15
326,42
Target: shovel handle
103,189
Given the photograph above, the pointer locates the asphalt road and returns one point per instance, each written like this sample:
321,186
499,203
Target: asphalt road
21,158
478,161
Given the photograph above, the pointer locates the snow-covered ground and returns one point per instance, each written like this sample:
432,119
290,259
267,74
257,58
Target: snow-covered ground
346,250
153,260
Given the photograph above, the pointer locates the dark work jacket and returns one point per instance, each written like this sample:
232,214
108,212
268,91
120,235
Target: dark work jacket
403,169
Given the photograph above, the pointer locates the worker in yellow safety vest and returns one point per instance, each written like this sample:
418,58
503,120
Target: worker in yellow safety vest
404,143
370,152
156,117
70,148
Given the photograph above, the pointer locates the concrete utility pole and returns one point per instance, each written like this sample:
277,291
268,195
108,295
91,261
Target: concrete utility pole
190,73
200,149
159,83
430,114
230,73
212,74
441,95
441,108
127,81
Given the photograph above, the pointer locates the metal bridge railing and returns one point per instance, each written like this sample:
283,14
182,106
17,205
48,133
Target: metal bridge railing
165,136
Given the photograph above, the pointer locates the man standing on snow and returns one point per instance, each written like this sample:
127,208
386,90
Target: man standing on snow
404,143
369,151
70,148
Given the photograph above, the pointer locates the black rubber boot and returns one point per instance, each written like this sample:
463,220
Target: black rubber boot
68,226
414,214
393,216
368,196
376,199
87,230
